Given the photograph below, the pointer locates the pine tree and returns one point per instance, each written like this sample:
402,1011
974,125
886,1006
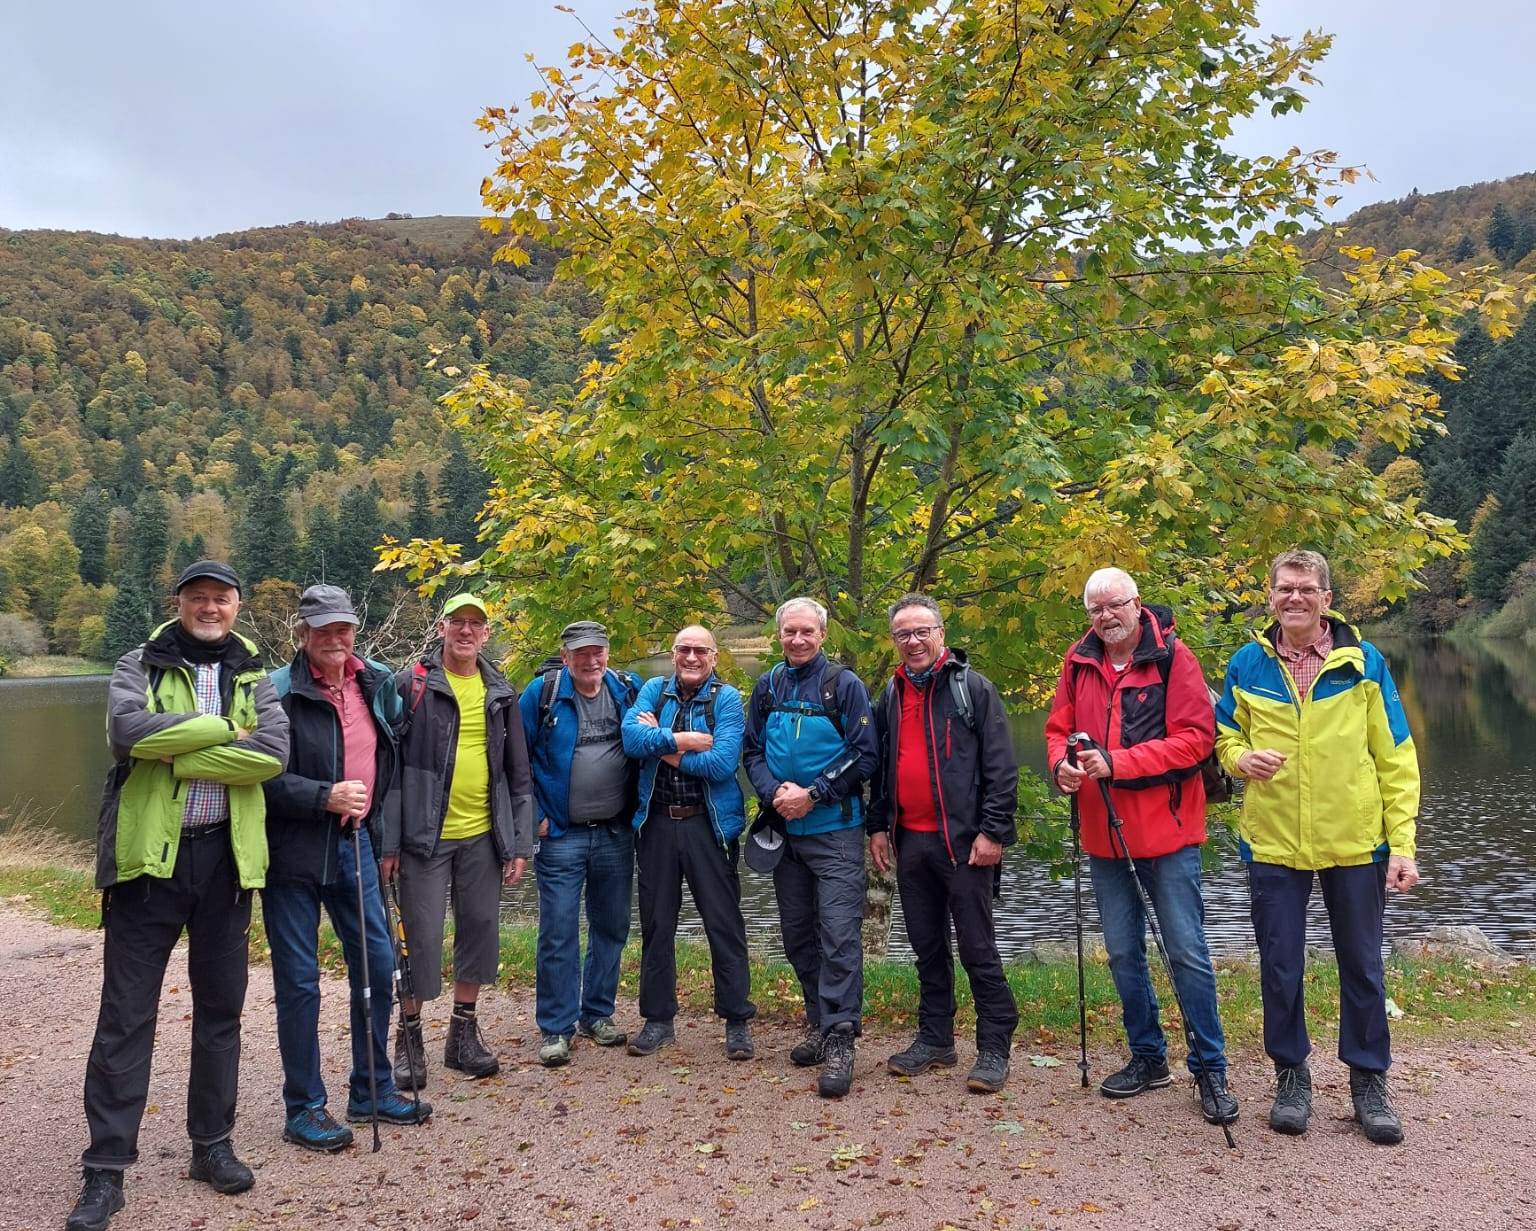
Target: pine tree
129,618
188,551
462,490
19,484
88,527
1506,537
265,541
151,539
421,522
1465,249
361,527
1503,233
320,546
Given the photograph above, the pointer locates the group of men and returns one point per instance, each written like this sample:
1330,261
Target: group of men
335,782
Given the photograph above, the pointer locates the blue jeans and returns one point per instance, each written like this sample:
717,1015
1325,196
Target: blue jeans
291,911
601,858
1172,883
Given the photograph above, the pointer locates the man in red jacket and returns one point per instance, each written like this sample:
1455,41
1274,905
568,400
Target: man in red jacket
1139,692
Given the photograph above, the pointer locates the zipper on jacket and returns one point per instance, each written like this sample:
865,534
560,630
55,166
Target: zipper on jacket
948,746
933,758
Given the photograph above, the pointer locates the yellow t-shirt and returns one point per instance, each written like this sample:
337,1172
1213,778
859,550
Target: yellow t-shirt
469,794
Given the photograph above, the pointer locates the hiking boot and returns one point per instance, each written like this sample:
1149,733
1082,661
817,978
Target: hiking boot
1216,1102
217,1167
652,1038
1142,1073
1373,1107
466,1051
410,1056
990,1072
554,1050
315,1128
738,1040
602,1032
837,1061
809,1050
100,1198
921,1057
1293,1099
394,1108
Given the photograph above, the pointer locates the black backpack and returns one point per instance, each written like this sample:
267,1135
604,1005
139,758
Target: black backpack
551,676
1219,786
829,675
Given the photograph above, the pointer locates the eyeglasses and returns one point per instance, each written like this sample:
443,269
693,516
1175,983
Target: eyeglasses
1119,604
922,632
1302,591
461,625
692,651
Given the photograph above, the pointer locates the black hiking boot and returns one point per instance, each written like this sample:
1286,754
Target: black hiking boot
410,1056
990,1072
217,1167
1373,1107
1216,1102
809,1050
921,1057
1293,1099
837,1062
738,1040
100,1198
652,1038
1141,1074
465,1050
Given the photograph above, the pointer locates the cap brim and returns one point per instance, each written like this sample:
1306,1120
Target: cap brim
764,847
321,618
582,643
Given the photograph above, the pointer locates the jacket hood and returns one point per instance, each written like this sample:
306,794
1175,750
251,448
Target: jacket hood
1345,635
1152,643
496,683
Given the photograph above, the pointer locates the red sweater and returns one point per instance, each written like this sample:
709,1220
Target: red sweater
914,788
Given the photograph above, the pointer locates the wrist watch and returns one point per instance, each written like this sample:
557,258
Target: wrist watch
815,795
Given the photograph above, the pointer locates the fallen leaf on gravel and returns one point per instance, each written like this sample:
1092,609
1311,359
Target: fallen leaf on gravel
810,1203
1011,1127
707,1147
1392,1010
681,1070
1045,1062
472,1211
798,1124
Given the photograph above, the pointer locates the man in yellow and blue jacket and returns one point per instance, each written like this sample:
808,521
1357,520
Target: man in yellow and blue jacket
1311,719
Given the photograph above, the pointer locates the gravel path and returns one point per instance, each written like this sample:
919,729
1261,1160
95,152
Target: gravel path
688,1139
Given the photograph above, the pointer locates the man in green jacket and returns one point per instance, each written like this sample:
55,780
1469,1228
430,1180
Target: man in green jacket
195,728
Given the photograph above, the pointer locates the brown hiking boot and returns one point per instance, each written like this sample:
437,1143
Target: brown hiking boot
410,1056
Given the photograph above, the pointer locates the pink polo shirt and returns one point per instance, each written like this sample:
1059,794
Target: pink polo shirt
359,739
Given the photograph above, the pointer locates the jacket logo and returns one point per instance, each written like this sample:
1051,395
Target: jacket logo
863,720
1141,696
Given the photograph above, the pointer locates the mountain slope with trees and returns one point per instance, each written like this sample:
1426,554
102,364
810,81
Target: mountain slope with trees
268,395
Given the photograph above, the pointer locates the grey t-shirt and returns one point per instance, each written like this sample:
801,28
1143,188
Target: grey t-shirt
599,769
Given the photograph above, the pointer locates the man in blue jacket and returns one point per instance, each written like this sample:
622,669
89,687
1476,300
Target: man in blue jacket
584,790
810,747
685,729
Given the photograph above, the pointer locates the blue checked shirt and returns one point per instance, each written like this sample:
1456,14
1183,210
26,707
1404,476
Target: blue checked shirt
207,802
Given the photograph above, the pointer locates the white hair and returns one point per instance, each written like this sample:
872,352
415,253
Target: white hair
1109,578
810,604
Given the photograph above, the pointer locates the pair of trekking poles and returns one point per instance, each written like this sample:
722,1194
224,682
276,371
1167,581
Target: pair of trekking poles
1083,742
404,984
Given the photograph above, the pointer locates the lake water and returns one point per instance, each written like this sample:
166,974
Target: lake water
1472,709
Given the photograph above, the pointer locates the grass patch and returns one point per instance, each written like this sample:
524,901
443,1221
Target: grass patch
45,872
48,666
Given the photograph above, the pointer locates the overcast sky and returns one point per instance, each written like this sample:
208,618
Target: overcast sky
172,118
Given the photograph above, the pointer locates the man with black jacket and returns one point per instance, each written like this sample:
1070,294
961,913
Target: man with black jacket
465,824
343,712
945,795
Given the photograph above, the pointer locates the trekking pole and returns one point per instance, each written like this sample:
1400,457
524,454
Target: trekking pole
405,983
1077,910
362,928
1202,1074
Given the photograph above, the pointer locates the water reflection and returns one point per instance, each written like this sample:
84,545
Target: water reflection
1472,708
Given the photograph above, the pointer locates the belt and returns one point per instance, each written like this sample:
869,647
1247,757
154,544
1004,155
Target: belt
616,819
679,812
195,833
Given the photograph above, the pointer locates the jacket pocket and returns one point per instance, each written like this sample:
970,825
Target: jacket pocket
1142,714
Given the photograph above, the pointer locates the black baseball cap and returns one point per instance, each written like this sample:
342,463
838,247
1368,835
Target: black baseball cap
764,845
321,605
213,570
582,633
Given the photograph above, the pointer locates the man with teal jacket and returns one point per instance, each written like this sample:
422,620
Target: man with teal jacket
810,747
195,728
1310,717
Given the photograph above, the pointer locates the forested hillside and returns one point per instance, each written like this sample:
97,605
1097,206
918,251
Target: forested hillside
271,396
268,395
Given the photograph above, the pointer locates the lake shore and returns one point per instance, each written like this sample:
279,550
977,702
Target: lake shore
687,1138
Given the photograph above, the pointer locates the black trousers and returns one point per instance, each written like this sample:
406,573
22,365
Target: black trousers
932,893
144,919
670,853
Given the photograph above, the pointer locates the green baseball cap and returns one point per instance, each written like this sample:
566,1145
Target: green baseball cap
459,601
